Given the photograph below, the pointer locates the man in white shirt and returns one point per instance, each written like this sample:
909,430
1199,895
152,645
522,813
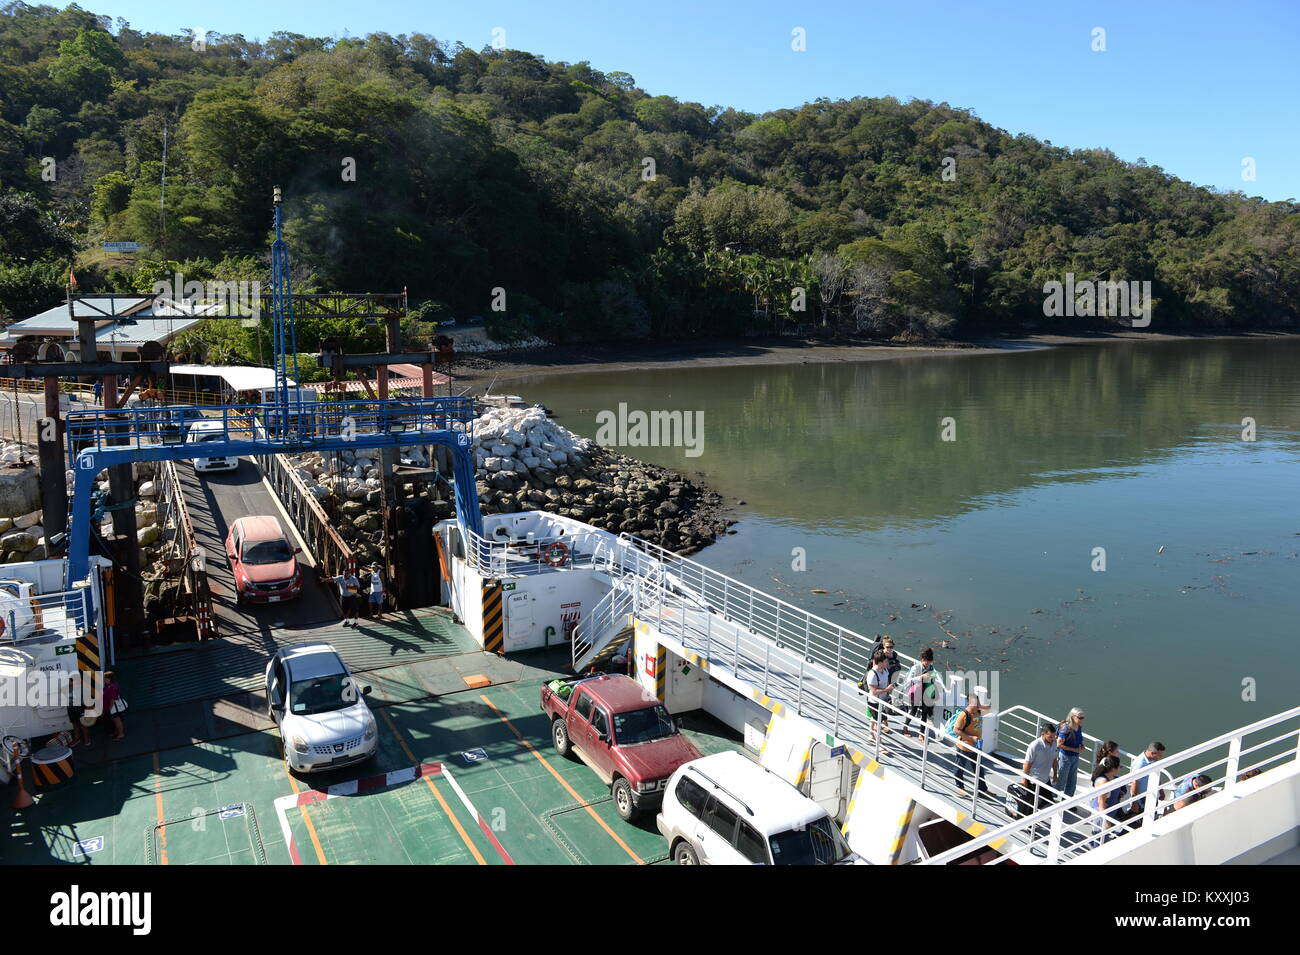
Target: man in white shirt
376,591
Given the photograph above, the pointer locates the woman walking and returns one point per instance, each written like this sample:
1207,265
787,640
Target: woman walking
920,692
1069,740
114,705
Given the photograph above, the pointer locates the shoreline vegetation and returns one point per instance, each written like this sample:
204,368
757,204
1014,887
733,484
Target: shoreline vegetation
514,366
561,201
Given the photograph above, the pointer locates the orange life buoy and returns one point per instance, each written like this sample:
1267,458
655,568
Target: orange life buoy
556,553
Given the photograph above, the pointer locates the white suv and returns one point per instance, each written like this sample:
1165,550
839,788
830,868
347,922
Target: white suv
726,809
313,698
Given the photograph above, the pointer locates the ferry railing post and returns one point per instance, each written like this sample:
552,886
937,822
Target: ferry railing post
799,702
835,730
1234,764
736,659
708,634
767,667
925,753
1054,837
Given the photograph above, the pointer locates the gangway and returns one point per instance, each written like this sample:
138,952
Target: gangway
767,652
100,439
185,595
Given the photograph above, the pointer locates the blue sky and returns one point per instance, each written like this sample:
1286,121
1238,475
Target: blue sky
1194,87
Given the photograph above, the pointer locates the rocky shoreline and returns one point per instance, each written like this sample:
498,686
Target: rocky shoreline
525,461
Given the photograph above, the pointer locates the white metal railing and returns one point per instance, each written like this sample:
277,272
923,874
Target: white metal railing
594,631
522,556
1064,831
1018,727
806,662
36,617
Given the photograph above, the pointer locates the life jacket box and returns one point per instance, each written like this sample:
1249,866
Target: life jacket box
50,768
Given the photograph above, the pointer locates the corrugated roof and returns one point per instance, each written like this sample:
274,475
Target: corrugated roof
352,385
57,319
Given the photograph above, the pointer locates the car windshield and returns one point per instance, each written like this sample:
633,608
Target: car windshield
817,843
322,694
643,726
208,436
268,552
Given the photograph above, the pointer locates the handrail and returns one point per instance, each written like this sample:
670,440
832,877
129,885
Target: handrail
1058,832
615,606
805,661
28,619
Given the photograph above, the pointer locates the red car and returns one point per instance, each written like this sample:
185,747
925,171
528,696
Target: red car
623,733
263,561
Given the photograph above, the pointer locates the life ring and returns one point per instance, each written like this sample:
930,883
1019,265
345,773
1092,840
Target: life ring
556,553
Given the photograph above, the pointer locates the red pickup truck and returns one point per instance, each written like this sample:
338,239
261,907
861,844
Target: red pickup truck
622,733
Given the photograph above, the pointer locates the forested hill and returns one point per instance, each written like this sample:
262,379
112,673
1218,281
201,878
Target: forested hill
600,209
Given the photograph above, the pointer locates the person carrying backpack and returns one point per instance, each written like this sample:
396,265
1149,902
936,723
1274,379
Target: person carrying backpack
885,645
879,686
966,729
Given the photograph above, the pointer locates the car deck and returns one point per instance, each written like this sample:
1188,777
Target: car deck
465,774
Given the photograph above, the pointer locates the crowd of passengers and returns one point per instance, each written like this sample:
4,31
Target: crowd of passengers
1051,762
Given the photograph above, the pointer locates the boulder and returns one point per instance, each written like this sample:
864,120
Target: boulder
146,489
18,541
30,519
145,536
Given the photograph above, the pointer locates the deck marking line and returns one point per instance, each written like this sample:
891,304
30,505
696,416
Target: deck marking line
464,836
158,805
311,828
482,823
560,779
302,798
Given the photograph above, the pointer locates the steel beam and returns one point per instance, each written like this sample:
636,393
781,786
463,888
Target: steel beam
91,461
80,369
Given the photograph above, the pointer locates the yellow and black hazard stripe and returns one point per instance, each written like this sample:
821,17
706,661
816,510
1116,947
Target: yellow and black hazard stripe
661,673
493,618
88,651
49,775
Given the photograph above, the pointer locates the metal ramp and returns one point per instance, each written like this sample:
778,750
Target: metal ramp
782,679
790,660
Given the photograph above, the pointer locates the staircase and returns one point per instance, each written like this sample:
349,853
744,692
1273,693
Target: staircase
600,634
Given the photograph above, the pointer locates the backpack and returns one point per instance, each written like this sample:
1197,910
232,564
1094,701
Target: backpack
950,728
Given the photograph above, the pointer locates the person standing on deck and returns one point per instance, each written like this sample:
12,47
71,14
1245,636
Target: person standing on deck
920,692
376,591
1039,769
886,643
1106,800
349,595
1069,740
1154,752
879,686
968,730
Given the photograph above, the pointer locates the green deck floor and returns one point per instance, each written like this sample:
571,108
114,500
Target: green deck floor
541,809
237,663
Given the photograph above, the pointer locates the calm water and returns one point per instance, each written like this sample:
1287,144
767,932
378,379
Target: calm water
1127,447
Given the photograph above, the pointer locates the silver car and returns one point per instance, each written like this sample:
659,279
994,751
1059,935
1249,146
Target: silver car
313,699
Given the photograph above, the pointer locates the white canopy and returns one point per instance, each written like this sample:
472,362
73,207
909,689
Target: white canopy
238,377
